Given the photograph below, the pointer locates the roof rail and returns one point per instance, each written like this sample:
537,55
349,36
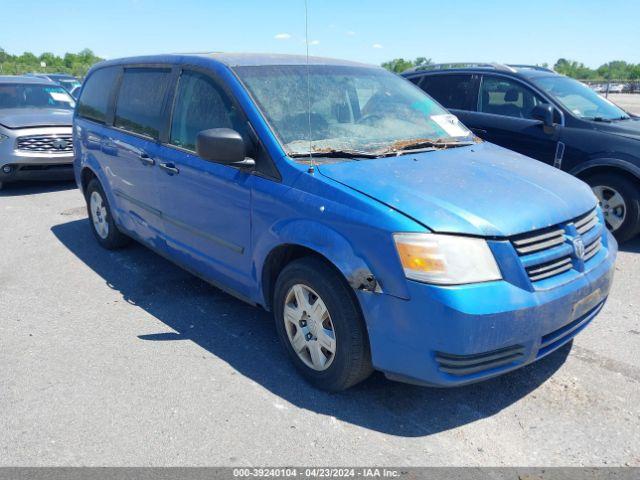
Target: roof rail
533,67
454,65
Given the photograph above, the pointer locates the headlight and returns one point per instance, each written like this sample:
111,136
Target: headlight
446,259
3,138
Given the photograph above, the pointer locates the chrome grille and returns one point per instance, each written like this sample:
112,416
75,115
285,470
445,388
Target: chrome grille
586,222
592,249
549,252
549,269
538,241
45,143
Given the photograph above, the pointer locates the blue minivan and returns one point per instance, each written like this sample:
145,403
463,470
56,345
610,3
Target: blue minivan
378,229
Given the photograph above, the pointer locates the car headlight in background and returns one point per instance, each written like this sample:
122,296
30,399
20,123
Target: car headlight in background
446,259
3,138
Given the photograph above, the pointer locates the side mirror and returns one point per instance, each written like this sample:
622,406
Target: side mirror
221,145
544,113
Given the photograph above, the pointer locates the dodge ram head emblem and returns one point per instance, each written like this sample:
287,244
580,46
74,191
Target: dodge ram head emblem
578,247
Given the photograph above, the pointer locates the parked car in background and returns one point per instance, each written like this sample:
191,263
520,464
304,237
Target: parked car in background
380,232
554,119
35,130
617,87
70,83
75,91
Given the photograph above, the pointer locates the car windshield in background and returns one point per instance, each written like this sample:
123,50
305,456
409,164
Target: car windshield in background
69,84
15,95
354,111
581,100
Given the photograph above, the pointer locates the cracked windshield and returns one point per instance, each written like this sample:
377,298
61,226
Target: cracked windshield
355,111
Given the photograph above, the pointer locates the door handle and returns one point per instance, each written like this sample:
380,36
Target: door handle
146,159
170,168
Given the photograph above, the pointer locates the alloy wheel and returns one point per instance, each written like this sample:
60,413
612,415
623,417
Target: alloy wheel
613,206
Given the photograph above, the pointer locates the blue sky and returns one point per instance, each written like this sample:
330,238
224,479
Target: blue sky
513,31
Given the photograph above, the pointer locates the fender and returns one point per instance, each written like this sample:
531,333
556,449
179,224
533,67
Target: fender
607,162
325,241
89,161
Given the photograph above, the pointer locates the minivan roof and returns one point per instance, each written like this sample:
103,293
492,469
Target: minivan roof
238,59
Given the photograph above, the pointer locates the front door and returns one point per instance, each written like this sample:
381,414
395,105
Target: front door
504,117
206,206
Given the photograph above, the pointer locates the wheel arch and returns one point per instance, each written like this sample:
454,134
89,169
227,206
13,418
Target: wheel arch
606,165
304,238
86,175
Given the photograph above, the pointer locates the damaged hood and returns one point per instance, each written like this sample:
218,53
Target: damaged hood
480,190
35,117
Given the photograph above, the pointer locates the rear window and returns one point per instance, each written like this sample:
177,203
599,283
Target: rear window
95,97
451,91
141,100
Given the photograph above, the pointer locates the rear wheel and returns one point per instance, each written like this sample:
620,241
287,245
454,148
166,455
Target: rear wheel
619,199
101,220
320,325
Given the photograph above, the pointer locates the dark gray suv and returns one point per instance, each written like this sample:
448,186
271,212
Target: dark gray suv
552,118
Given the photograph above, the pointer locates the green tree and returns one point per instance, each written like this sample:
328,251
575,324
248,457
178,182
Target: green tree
74,63
399,65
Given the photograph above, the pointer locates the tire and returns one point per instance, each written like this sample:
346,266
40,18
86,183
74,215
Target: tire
350,362
627,224
101,220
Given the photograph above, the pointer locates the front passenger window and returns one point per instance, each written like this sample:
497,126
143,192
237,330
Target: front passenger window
502,96
200,105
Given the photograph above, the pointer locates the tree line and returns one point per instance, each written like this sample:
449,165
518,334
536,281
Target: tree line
79,63
615,70
73,63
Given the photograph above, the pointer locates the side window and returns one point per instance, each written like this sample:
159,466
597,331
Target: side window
502,96
94,101
200,104
141,99
451,91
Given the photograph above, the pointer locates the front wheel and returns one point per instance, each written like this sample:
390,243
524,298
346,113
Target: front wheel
320,325
619,199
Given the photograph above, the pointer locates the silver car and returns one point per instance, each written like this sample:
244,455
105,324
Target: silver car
35,130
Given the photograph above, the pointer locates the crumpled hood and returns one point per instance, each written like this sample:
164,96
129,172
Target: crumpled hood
478,190
35,117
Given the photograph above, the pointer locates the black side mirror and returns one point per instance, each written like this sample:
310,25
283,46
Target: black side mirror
544,113
221,145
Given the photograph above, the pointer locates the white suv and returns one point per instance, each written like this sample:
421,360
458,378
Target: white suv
35,130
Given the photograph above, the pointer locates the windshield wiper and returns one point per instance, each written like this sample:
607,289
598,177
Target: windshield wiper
353,154
406,146
599,119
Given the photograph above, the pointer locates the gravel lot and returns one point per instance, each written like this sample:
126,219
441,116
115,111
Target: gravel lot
628,101
121,358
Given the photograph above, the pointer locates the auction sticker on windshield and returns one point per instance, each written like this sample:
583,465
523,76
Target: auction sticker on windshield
451,125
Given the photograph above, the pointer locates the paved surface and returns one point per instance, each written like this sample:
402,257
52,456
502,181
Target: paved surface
628,101
123,359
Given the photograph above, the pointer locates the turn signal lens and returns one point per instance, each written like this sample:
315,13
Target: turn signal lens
446,259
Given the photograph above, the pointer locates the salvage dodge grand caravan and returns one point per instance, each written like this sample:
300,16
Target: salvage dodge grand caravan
380,232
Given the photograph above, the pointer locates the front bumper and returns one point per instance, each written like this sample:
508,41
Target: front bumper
449,336
18,164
